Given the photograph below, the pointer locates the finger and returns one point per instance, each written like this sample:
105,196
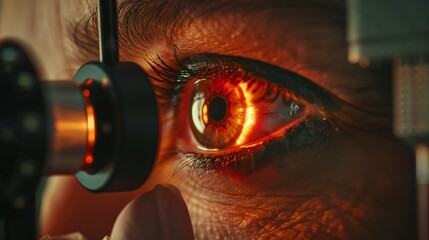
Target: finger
71,236
158,214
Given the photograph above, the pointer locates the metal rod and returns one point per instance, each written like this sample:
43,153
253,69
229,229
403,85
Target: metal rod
108,31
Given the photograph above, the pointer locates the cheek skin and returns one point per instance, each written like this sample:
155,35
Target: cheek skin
359,190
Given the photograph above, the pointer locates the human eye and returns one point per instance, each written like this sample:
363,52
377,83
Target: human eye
234,112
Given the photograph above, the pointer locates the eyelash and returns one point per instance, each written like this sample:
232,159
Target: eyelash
171,81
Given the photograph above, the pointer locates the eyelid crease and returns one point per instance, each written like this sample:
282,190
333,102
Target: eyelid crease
295,83
171,78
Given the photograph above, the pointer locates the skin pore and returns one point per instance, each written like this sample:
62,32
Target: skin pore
358,185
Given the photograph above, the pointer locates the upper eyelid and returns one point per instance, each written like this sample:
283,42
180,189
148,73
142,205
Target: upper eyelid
305,90
295,83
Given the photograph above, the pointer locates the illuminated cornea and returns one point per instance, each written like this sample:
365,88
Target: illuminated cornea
205,114
250,116
197,116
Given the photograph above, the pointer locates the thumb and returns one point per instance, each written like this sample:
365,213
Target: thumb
158,214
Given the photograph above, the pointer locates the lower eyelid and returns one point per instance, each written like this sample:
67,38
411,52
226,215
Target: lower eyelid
308,112
310,129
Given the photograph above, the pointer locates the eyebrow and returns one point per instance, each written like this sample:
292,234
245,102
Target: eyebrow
141,22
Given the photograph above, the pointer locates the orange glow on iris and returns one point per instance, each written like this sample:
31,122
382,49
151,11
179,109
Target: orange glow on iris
250,121
205,112
231,112
218,112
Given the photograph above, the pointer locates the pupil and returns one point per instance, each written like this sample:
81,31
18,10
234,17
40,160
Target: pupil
217,109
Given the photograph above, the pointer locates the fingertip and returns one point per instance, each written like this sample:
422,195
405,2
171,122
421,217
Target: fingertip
158,214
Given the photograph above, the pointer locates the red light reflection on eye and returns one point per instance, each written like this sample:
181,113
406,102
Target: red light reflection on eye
250,115
205,114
